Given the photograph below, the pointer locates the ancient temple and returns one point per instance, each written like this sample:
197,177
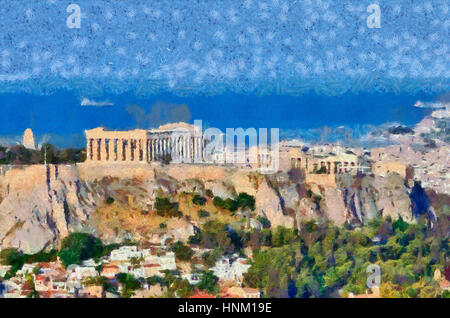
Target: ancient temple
174,142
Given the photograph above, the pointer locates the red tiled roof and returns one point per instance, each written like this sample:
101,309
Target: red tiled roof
202,295
445,284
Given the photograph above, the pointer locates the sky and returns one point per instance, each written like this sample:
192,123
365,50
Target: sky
293,65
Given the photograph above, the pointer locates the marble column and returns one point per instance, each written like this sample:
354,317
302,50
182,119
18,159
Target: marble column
95,149
188,148
133,149
89,149
147,150
204,148
103,150
119,149
115,149
174,148
195,148
152,150
180,148
140,150
155,150
128,150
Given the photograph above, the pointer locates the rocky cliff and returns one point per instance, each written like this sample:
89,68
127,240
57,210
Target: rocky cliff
40,205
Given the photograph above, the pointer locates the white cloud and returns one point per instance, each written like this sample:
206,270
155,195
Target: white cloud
90,102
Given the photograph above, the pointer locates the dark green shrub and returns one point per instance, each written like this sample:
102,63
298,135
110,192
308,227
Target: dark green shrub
129,284
198,200
182,252
78,247
208,282
203,214
264,221
245,200
165,208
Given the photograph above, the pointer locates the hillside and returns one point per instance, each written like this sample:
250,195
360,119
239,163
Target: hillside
40,205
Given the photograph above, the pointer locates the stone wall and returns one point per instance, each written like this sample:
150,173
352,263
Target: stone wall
91,172
327,180
383,169
21,179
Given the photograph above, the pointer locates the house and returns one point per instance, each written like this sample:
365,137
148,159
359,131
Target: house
125,267
442,280
150,291
231,268
90,263
201,294
27,269
42,283
92,291
124,253
152,270
4,269
12,289
52,281
240,292
138,272
110,270
82,272
166,261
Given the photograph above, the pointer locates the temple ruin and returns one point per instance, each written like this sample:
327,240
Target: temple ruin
172,142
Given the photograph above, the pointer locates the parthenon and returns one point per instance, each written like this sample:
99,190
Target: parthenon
175,142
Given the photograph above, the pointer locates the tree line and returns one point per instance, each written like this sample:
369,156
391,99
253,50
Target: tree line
48,153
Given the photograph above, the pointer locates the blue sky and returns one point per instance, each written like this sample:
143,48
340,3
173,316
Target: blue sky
287,64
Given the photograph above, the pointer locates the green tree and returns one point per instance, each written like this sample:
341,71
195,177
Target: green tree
208,282
164,207
129,284
182,252
198,200
78,247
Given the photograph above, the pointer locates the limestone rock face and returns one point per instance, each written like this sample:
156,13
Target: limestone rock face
180,230
28,139
393,197
221,189
40,217
40,205
335,207
268,205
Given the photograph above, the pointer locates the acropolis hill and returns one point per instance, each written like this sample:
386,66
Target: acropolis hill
41,204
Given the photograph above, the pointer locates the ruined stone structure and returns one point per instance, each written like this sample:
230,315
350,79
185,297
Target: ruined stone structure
28,139
327,164
176,142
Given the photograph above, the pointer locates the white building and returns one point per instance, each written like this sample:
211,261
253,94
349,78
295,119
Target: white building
166,261
230,268
125,253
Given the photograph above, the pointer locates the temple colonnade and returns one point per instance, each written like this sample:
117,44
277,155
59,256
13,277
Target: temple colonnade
312,165
143,146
